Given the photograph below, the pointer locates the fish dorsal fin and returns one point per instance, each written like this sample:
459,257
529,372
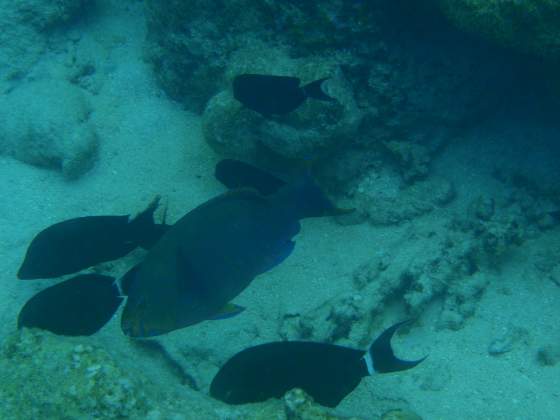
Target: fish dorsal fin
237,174
236,194
244,193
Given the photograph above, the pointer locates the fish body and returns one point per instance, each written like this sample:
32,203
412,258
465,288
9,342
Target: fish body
78,306
76,244
327,372
275,95
213,253
237,174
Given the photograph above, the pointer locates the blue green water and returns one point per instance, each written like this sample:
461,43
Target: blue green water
443,138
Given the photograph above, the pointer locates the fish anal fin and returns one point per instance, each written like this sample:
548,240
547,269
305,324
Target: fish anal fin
228,311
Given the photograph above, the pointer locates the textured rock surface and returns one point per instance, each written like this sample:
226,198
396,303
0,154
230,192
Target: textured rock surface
451,263
398,87
45,14
528,26
46,124
23,31
316,128
44,376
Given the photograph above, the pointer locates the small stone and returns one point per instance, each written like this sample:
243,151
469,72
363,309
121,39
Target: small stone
548,355
555,275
505,342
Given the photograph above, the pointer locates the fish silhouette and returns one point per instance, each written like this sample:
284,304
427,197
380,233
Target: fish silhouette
327,372
213,253
275,95
76,244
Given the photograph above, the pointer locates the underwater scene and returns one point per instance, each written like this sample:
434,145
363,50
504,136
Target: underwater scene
258,209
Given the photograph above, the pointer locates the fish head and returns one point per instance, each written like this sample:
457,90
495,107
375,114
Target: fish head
142,318
41,259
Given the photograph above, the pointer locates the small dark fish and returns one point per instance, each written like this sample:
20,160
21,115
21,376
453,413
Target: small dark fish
275,95
213,253
236,174
555,214
79,306
327,372
76,244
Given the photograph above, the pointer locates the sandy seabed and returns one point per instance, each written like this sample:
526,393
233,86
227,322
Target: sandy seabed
150,145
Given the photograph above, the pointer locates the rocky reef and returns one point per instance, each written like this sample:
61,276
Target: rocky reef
24,31
46,376
58,136
44,121
449,264
401,91
530,26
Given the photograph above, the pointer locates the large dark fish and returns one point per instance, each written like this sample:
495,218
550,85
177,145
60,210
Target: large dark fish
327,372
79,306
76,244
213,253
275,95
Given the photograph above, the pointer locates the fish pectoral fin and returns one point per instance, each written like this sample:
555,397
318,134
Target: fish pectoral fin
228,311
280,252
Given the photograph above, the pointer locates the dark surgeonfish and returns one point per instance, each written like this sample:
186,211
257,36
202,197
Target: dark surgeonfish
76,244
327,372
236,174
213,253
79,306
275,95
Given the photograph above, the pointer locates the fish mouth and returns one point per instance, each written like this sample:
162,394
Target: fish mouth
136,322
136,329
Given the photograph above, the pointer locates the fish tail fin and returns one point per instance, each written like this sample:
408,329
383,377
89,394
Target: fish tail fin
315,91
380,357
143,229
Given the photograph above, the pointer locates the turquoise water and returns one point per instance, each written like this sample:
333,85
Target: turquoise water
443,137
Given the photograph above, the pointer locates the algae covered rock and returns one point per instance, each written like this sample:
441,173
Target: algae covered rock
311,130
46,123
300,406
400,414
25,26
383,198
45,14
384,59
44,376
528,26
